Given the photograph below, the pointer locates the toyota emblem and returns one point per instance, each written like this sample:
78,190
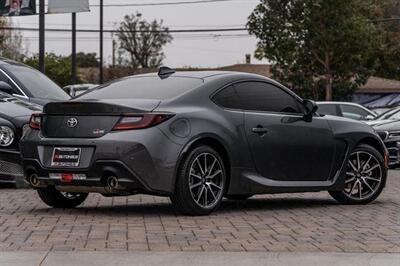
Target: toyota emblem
72,122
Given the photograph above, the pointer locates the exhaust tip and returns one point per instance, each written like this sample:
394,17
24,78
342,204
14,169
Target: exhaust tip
34,180
112,182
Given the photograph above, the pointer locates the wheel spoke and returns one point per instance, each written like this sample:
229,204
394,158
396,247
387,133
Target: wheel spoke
352,166
350,180
352,189
368,186
360,189
205,196
199,165
372,168
200,194
350,173
215,185
212,166
358,161
197,176
195,185
205,163
372,179
366,163
215,174
212,192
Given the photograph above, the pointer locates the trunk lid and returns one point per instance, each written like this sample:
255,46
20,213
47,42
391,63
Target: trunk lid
90,118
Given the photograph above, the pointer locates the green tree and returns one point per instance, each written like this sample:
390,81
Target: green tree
57,67
87,60
143,41
316,45
384,15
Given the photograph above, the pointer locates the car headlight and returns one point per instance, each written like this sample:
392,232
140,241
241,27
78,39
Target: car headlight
6,136
394,134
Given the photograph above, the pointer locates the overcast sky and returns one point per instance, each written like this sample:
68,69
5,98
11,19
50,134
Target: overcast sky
185,49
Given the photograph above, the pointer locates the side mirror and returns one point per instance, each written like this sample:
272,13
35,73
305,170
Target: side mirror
310,108
6,88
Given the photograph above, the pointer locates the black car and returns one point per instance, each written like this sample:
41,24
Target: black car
27,83
389,130
198,137
14,121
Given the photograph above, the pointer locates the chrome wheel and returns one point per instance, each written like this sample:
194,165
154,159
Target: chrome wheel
206,180
363,176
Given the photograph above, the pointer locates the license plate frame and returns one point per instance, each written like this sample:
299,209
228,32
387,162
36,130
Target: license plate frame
66,162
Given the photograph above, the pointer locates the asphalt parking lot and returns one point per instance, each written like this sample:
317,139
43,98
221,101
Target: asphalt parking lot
310,222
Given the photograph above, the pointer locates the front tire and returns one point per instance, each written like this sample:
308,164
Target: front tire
365,177
56,199
200,182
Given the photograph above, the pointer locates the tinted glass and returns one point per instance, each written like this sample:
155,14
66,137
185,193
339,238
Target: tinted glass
228,98
354,112
38,84
328,109
260,96
8,81
143,88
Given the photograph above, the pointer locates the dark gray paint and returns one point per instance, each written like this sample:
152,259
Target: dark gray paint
293,156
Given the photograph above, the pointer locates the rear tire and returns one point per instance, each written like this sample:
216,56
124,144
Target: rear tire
56,199
200,183
365,177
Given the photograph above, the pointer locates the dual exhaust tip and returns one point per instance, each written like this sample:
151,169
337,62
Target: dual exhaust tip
111,182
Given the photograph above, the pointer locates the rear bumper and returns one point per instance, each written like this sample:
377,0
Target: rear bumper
142,160
11,171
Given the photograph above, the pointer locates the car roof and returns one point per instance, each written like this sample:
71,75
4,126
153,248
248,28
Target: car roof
6,61
203,74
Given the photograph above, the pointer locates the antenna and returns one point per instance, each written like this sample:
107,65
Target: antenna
165,72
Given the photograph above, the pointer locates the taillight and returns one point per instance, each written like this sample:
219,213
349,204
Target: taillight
36,120
129,122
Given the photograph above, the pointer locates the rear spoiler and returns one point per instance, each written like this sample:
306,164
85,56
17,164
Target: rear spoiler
98,108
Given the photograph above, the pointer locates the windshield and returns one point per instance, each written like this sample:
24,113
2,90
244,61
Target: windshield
150,87
393,114
38,84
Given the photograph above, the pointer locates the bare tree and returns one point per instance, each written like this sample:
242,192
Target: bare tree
10,41
143,41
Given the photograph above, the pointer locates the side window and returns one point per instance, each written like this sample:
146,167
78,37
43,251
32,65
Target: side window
7,80
354,112
227,98
328,109
260,96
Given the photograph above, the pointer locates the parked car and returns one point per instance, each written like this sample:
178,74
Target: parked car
29,84
346,109
386,117
75,90
197,137
388,127
14,121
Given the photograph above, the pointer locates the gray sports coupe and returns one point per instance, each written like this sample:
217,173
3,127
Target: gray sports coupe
198,137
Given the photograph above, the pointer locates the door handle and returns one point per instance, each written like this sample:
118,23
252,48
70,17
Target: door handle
260,130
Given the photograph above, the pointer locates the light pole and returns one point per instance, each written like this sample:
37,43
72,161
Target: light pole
101,42
41,36
73,56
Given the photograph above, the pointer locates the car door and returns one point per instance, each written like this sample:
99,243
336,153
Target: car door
285,147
